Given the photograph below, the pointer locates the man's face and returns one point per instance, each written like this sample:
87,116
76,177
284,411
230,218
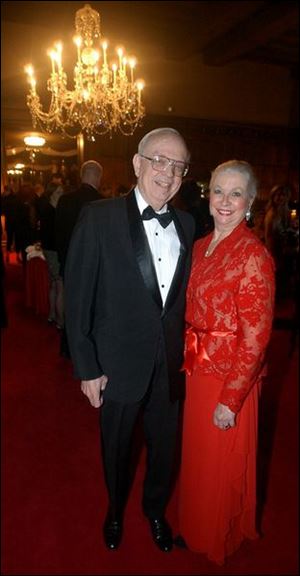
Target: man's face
158,187
56,180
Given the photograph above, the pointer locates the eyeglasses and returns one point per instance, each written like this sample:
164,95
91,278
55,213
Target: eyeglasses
161,163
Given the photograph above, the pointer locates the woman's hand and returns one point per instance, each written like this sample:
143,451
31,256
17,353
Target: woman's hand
223,417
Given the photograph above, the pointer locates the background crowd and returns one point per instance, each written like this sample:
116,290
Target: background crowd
39,221
29,207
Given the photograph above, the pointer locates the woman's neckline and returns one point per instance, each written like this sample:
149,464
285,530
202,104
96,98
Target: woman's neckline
215,242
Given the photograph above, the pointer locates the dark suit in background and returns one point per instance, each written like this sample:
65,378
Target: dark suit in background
67,212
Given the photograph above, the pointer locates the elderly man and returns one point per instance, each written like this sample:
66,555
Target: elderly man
125,282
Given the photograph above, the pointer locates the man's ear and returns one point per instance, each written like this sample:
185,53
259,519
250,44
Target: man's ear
136,164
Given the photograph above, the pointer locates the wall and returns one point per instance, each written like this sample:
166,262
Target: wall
271,150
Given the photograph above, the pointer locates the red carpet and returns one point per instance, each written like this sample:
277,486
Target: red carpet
53,495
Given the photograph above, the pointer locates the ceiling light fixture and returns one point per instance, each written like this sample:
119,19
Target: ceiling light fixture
34,141
105,98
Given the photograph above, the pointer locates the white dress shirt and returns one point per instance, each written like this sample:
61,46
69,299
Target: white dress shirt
164,245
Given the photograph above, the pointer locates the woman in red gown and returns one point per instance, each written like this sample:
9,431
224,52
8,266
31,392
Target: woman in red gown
230,301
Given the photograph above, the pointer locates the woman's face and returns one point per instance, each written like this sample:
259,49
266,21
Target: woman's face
280,198
229,199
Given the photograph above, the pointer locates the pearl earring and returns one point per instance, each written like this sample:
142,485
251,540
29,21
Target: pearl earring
248,214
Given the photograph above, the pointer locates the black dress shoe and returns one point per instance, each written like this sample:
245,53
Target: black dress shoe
161,533
112,532
180,542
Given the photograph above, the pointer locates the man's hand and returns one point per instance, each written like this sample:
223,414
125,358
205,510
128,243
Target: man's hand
93,390
223,417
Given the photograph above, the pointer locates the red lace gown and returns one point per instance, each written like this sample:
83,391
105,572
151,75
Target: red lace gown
230,300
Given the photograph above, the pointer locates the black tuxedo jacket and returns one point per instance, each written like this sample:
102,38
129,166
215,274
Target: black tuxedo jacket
115,320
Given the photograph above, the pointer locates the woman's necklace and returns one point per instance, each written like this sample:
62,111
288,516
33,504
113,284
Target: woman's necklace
212,245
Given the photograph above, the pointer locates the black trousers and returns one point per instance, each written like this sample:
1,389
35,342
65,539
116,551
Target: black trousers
160,419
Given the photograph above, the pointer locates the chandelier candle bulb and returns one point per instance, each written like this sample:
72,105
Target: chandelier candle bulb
77,42
104,46
105,99
114,69
120,54
58,53
132,63
52,61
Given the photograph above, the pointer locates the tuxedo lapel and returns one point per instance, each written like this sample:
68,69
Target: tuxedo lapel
141,248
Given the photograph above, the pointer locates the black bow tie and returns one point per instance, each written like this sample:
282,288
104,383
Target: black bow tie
164,219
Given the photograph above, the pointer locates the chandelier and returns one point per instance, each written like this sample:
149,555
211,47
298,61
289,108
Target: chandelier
105,99
33,143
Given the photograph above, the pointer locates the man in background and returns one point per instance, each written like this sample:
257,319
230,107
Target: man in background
67,212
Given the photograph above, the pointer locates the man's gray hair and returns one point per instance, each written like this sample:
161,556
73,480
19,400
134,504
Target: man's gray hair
91,173
157,132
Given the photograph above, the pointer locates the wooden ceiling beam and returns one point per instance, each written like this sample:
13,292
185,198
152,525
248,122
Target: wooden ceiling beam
266,24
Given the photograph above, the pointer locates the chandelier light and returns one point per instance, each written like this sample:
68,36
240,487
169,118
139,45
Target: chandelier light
34,141
105,98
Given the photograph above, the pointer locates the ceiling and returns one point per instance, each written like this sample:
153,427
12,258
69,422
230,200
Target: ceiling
263,32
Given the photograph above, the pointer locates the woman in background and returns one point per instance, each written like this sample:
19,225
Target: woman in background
278,234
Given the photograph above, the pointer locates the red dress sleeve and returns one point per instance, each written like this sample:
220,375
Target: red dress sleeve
255,301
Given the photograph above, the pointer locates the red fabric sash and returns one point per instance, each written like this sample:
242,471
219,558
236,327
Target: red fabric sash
194,351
